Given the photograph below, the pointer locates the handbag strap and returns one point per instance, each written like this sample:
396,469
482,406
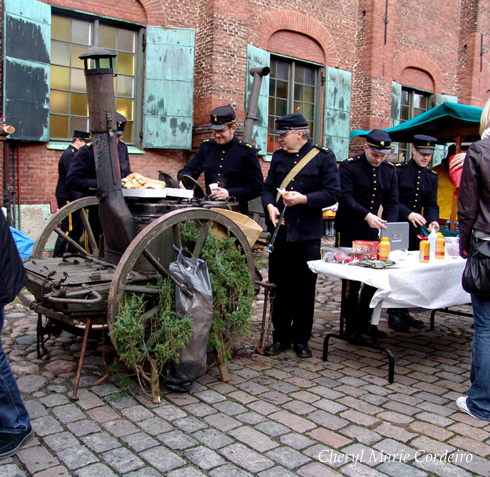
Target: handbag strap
294,171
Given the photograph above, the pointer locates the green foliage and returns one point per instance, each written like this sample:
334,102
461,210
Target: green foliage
150,335
231,285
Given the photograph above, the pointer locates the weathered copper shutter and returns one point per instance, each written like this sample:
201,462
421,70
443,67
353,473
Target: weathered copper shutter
259,58
169,88
337,111
26,68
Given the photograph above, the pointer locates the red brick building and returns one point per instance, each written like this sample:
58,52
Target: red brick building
345,65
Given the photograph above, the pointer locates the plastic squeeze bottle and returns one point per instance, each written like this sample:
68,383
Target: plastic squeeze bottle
440,246
384,249
424,250
432,241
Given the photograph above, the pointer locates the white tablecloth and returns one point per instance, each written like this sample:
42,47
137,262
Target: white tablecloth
407,284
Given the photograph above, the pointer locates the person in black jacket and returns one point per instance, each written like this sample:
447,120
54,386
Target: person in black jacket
367,182
71,225
15,425
227,161
417,194
314,187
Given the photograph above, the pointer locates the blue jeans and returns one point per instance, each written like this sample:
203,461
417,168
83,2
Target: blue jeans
478,400
14,418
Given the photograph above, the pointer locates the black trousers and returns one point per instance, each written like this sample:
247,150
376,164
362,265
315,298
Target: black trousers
294,302
71,225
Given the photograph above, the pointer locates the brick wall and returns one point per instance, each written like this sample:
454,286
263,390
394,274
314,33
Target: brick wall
425,44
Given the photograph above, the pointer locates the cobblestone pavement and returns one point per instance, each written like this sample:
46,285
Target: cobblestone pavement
277,416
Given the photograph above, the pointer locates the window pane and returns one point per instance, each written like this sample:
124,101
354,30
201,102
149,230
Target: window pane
125,107
108,37
281,107
282,89
60,77
58,102
298,108
282,71
58,126
77,82
126,40
76,51
60,28
125,63
308,112
60,53
79,123
310,76
272,107
272,87
309,94
79,105
128,132
81,32
124,86
298,92
299,74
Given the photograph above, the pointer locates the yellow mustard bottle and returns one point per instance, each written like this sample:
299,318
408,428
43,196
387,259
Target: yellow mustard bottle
440,246
384,249
424,250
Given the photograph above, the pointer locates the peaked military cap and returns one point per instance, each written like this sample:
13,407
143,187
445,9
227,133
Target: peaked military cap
424,144
290,121
83,135
120,123
222,117
379,141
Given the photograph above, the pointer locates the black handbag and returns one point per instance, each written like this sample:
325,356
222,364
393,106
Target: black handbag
476,274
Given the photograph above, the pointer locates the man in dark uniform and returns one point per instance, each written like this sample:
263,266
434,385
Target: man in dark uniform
417,192
71,225
310,178
82,175
367,182
227,161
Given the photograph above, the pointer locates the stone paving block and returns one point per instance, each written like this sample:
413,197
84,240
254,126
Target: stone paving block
105,389
396,451
435,419
359,418
177,440
162,459
212,438
469,431
58,471
305,396
101,442
120,427
471,445
222,422
189,424
327,393
137,413
277,471
170,412
200,409
230,408
326,420
298,407
94,470
122,402
252,388
316,469
284,387
287,457
122,460
434,398
426,445
88,400
210,396
155,426
436,467
253,438
68,413
181,399
395,431
263,408
35,408
223,388
395,417
140,441
473,463
401,408
430,430
76,457
228,470
55,400
185,472
246,458
330,406
272,429
242,397
251,418
296,441
37,459
103,414
43,426
204,458
148,471
399,469
83,427
61,440
330,438
360,434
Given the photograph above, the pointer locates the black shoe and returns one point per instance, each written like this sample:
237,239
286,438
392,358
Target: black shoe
302,350
411,321
10,444
397,323
276,348
373,332
353,336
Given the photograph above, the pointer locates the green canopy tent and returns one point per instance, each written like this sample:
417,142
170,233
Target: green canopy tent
448,122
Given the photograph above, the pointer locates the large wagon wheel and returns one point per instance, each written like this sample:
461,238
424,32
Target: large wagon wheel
151,252
52,228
